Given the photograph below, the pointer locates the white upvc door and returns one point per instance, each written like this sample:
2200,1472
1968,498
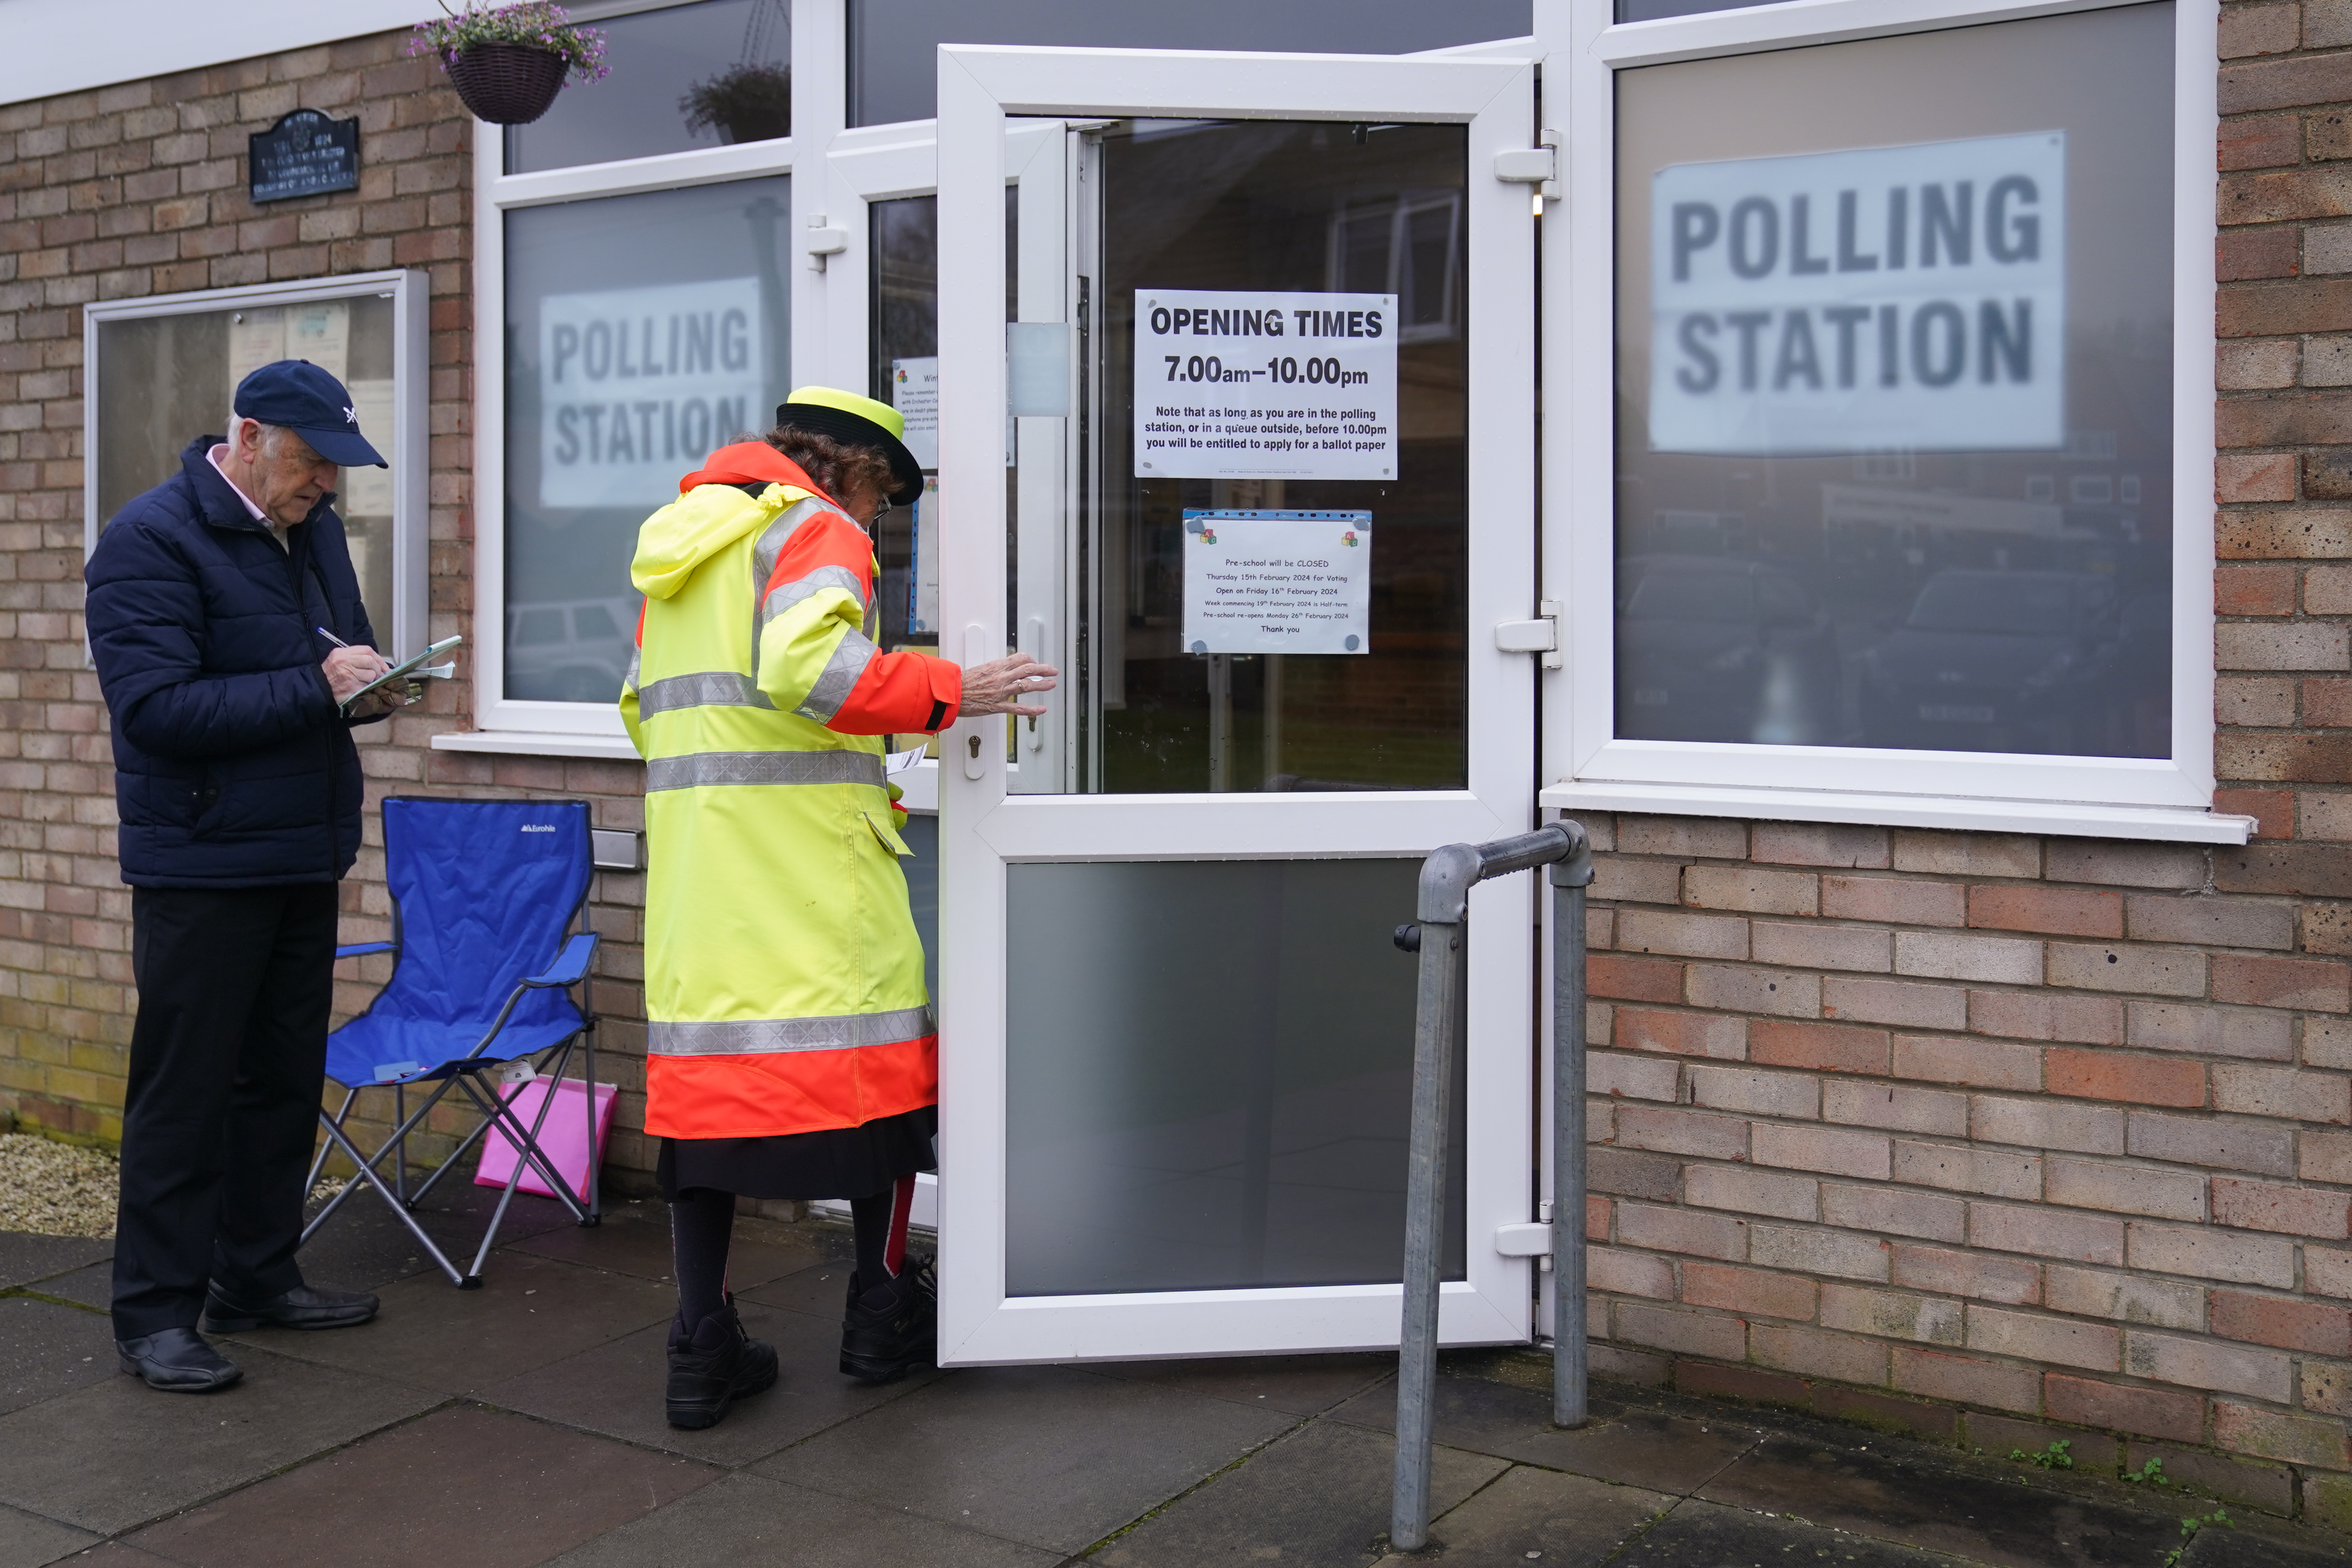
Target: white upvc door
1007,832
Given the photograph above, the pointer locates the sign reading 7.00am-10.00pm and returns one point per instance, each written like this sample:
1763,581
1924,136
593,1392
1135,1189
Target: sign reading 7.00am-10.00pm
638,385
1904,297
1239,385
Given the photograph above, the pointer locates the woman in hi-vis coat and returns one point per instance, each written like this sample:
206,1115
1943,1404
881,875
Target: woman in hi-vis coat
791,1051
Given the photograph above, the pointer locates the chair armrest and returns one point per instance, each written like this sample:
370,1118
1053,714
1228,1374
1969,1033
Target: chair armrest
571,965
358,948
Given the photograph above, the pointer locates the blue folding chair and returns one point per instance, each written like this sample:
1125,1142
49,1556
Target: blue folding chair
485,894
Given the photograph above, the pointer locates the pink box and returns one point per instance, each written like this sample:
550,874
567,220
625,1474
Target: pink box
563,1139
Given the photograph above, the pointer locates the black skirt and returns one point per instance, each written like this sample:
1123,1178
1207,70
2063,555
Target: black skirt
840,1162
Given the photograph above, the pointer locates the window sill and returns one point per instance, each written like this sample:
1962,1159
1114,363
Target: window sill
2174,823
535,743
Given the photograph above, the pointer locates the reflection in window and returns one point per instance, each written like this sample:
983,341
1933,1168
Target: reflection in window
630,357
703,75
1410,246
1890,366
894,44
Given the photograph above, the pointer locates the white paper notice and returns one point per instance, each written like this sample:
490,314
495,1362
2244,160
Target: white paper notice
321,334
638,385
256,338
923,590
915,393
1236,384
367,491
1278,582
1890,298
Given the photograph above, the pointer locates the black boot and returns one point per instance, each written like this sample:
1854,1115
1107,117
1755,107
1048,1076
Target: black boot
881,1344
714,1367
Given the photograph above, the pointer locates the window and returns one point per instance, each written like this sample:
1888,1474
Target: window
1877,357
709,74
894,44
630,356
162,371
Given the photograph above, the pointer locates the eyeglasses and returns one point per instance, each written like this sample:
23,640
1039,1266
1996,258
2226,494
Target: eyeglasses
882,508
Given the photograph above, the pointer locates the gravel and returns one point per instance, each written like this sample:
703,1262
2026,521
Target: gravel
56,1189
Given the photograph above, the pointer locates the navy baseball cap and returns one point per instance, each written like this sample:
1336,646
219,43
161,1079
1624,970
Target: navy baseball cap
313,405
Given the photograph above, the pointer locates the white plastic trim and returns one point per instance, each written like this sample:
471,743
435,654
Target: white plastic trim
538,743
2075,820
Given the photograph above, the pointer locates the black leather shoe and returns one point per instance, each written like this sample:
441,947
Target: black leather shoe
177,1361
713,1368
303,1307
882,1345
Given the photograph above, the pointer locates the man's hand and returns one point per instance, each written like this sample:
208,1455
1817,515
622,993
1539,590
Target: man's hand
349,669
998,686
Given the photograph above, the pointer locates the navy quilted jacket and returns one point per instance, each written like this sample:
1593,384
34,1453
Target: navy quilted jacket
233,767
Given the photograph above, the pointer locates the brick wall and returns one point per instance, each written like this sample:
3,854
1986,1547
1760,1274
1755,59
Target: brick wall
137,190
1974,1135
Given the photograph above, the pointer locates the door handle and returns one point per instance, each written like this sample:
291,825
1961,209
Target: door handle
1033,637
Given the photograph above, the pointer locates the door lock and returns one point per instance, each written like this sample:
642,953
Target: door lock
975,745
972,765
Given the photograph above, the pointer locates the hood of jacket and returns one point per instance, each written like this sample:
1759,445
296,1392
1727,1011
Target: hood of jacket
711,513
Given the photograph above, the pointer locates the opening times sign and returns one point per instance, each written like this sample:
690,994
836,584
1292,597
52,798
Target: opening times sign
1239,385
1894,298
1278,582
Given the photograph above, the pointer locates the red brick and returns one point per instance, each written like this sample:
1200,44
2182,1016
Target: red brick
1666,1328
2283,1320
2141,1080
1680,1034
2245,253
2310,984
2264,143
1897,901
1681,1230
2264,476
2063,911
2047,1016
1823,1048
2114,1407
2046,1232
1634,979
2267,590
2277,1434
1951,1273
1819,844
2037,1336
2285,83
1750,1291
1965,1380
1847,1357
1741,1382
2290,1211
1868,1156
1933,1422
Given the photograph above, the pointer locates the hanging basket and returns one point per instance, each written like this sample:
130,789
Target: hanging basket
507,84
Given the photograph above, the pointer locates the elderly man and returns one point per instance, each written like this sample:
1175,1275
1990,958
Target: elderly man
225,622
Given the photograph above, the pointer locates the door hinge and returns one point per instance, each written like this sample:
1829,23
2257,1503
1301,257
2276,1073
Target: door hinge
1537,165
1524,1241
1540,636
821,242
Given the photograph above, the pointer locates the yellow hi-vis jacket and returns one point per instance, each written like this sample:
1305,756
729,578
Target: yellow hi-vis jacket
783,976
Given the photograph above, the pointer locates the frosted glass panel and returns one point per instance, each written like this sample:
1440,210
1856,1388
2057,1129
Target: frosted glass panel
1209,1071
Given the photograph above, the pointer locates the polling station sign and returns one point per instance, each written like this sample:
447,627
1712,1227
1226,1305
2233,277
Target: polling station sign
1890,297
638,385
1241,383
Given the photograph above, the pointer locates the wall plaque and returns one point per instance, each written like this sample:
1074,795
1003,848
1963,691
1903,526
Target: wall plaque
304,154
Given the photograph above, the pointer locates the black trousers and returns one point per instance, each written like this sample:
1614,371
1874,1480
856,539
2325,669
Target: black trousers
221,1116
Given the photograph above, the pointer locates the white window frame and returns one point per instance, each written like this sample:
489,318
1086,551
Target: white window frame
408,447
506,724
1592,770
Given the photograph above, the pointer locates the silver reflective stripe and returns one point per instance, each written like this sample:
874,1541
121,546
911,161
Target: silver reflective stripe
839,679
711,688
750,1037
701,768
771,548
787,594
636,657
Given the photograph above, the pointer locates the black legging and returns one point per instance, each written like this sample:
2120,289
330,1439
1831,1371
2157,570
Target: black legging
702,1223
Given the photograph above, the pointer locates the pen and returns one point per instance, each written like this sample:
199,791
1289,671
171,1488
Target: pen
330,637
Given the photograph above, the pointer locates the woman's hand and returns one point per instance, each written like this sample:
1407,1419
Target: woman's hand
998,686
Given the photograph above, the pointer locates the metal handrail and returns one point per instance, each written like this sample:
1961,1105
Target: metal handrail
1441,939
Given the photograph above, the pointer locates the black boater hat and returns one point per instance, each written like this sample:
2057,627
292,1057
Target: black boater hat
856,421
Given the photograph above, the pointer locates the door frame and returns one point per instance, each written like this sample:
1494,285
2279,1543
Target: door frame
984,827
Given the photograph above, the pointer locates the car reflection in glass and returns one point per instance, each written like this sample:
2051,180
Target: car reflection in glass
1998,661
1722,650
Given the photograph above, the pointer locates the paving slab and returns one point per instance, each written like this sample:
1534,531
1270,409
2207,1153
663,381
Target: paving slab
47,1349
115,1554
483,1487
617,1389
635,1239
1991,1519
91,1287
28,1540
117,1453
1299,1385
26,1258
749,1522
1319,1498
1531,1515
530,1311
1634,1447
819,1290
1048,1457
1704,1535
